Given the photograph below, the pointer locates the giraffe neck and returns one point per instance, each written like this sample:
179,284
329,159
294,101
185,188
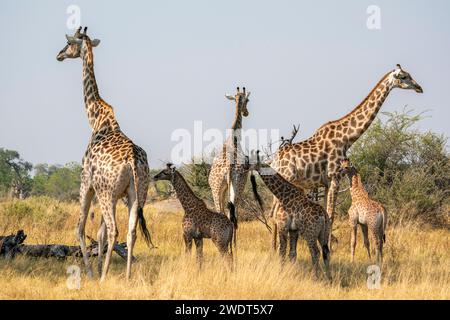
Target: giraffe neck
100,114
357,189
232,147
362,116
188,199
237,122
279,186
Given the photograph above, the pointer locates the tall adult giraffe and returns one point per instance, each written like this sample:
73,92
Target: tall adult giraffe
315,162
228,171
113,166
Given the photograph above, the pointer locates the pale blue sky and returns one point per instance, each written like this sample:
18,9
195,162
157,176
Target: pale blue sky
164,64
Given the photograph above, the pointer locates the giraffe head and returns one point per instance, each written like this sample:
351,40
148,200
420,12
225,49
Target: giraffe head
166,174
74,44
241,99
403,80
348,169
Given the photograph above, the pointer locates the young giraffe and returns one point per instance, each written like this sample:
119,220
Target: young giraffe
113,166
368,213
314,162
297,215
228,172
199,222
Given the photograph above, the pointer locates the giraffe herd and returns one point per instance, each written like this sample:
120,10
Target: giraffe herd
114,168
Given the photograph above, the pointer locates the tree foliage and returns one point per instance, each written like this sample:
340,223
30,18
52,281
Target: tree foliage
14,172
61,182
404,168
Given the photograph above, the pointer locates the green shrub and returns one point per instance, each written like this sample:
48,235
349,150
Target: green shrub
405,169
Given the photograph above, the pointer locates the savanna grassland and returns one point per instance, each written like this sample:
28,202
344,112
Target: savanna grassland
416,265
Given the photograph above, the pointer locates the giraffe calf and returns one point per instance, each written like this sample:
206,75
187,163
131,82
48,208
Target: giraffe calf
368,213
296,216
199,222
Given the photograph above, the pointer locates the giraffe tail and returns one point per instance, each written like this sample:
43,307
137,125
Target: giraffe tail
233,219
140,210
255,191
144,230
384,213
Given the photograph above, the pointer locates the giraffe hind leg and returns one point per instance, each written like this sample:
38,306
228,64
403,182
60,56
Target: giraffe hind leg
325,254
331,203
365,232
101,241
353,241
108,211
188,244
283,234
132,223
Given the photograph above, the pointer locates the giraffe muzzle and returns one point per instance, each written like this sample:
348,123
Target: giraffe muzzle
60,56
419,89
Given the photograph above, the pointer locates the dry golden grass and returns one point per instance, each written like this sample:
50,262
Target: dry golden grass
417,261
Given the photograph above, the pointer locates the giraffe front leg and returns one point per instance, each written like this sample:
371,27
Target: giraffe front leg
293,239
199,251
365,232
283,234
325,197
222,199
353,241
86,195
331,202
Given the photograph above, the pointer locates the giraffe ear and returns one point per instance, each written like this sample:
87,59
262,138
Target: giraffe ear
95,42
229,97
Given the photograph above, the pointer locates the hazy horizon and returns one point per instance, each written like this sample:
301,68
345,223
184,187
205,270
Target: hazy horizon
165,65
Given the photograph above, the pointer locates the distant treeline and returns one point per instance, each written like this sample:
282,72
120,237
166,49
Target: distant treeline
17,181
405,169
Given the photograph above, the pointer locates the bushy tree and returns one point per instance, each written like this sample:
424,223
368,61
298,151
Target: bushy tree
61,182
196,174
406,169
14,172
